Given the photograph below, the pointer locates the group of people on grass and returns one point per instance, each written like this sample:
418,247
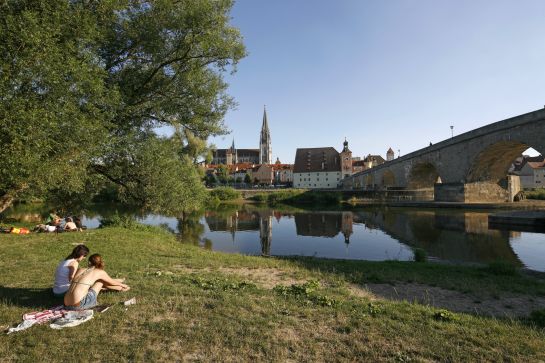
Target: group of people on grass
80,286
54,223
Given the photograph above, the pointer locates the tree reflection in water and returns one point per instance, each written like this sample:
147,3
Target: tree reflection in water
447,235
444,234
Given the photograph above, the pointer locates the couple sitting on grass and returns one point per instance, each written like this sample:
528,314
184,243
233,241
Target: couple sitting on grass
81,286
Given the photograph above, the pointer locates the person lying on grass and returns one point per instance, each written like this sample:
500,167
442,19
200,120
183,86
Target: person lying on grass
88,283
66,270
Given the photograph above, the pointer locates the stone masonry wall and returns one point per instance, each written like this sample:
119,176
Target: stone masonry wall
449,192
483,192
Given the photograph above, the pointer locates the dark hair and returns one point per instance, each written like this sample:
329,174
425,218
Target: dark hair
96,261
78,251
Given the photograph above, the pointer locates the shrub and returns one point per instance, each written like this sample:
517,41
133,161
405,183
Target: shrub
420,255
125,221
260,197
538,317
535,194
224,194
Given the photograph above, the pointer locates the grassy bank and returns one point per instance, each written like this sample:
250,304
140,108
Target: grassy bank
538,194
198,305
299,196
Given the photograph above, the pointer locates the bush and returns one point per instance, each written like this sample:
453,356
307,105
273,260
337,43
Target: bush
535,194
298,196
127,222
538,317
260,198
224,194
420,255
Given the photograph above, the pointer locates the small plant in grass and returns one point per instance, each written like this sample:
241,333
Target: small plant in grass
420,255
306,292
220,284
538,317
297,289
444,315
374,308
501,268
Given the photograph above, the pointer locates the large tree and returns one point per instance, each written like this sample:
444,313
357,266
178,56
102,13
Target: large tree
84,84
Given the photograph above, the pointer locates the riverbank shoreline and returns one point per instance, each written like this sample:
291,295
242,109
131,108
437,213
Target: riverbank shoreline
295,197
524,205
199,305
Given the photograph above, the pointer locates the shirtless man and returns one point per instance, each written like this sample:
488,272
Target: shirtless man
87,284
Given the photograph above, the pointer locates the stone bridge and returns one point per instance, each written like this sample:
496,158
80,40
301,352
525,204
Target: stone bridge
471,167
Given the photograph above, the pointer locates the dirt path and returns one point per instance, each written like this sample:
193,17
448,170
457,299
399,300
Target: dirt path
504,306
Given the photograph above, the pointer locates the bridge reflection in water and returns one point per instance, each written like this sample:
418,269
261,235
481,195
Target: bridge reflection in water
373,234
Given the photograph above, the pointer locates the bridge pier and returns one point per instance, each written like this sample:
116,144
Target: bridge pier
478,192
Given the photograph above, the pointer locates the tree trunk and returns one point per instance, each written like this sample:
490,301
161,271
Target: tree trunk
7,199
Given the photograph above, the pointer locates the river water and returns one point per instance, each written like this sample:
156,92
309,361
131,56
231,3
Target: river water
362,234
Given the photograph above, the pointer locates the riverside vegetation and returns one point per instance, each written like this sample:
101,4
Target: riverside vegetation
199,305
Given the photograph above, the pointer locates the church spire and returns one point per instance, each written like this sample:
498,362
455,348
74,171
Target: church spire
265,150
265,126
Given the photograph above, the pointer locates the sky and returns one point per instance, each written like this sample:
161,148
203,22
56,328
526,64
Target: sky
383,74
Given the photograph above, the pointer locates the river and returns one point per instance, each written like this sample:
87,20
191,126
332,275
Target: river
375,234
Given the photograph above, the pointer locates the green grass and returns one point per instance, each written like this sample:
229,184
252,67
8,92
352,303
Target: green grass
190,307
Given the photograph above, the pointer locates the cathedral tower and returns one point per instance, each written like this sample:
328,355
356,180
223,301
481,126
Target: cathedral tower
346,160
265,150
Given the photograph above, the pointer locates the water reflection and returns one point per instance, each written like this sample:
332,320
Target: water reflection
371,234
445,235
459,236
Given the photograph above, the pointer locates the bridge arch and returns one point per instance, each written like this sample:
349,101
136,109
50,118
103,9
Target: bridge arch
493,162
423,175
388,179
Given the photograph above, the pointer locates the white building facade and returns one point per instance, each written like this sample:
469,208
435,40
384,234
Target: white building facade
532,175
321,168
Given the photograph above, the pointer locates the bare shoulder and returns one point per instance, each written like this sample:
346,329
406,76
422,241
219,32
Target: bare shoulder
100,273
79,272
